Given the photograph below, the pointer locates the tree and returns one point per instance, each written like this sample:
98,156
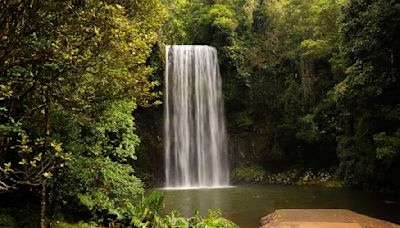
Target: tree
75,58
368,98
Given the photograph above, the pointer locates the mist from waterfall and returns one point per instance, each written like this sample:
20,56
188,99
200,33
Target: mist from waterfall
195,136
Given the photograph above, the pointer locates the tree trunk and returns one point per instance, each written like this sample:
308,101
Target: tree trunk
43,204
47,124
43,197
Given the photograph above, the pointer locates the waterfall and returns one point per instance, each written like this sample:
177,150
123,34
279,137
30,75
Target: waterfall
195,137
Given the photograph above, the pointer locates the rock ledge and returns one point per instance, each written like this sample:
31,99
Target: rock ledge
326,218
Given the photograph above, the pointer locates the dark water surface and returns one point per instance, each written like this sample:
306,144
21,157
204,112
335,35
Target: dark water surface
245,205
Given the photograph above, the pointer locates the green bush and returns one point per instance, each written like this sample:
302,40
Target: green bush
147,214
58,224
214,219
19,214
7,221
249,173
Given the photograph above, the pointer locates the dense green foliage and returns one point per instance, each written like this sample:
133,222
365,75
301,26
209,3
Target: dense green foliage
311,83
368,98
72,72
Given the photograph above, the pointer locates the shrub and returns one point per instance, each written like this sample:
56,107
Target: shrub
249,173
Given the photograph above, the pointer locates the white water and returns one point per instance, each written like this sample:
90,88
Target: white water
195,138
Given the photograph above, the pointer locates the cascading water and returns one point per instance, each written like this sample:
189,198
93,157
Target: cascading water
195,138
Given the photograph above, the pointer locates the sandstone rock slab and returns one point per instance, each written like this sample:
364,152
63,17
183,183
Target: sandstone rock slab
325,218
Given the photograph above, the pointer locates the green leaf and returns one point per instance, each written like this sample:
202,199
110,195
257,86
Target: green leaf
23,162
47,174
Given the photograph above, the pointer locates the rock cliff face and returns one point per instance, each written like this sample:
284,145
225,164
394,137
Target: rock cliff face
327,218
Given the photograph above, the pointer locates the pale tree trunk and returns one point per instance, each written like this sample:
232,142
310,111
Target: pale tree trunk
43,196
43,204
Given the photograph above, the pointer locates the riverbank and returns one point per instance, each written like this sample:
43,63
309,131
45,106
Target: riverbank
293,176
